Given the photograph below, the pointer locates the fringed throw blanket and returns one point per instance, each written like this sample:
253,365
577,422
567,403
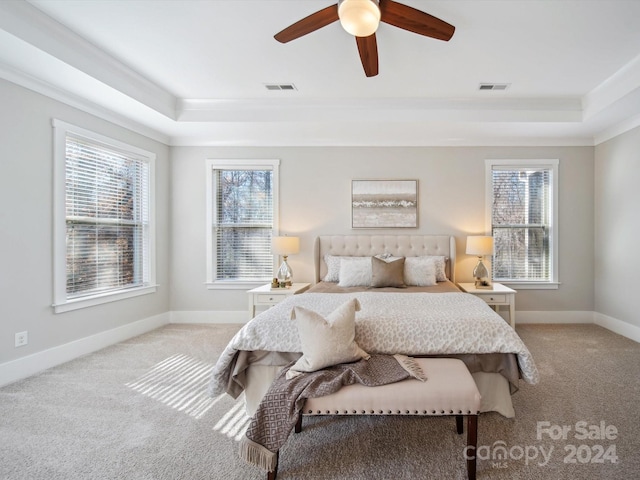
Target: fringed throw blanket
278,411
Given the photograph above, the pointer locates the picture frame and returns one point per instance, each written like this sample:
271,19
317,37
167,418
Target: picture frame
384,204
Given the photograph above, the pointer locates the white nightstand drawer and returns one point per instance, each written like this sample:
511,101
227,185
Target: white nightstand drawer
264,296
494,298
270,299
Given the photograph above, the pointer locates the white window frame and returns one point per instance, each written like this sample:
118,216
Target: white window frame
60,301
553,166
235,164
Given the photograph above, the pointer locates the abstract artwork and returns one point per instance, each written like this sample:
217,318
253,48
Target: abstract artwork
384,204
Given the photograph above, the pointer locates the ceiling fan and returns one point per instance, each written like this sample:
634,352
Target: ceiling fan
361,18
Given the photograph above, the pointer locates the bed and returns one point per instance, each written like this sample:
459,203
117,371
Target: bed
431,319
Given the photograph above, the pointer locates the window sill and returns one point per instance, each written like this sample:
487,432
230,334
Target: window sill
94,300
530,285
235,285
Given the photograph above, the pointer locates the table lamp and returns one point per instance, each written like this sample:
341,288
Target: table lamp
285,246
480,245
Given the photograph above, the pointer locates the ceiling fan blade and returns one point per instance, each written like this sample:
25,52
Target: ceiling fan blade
413,20
309,24
368,48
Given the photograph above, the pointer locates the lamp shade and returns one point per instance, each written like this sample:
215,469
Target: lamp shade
359,17
479,245
285,245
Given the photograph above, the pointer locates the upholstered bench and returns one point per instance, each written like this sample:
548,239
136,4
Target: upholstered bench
449,390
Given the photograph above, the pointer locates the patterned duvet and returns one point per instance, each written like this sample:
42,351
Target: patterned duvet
389,323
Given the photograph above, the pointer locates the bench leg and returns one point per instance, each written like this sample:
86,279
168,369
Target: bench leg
472,444
298,428
272,475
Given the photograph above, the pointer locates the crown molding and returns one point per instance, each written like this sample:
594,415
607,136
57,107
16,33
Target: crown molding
617,129
26,22
51,91
375,134
617,87
380,109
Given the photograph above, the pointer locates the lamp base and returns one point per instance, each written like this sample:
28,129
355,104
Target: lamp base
481,275
284,274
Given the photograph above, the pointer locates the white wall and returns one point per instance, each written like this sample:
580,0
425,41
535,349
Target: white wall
617,227
26,290
315,192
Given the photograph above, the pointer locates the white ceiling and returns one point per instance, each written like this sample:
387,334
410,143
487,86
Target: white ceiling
192,72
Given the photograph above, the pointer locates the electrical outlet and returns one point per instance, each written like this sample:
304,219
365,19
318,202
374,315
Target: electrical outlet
22,338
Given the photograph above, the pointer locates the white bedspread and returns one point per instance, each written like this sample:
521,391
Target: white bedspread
411,324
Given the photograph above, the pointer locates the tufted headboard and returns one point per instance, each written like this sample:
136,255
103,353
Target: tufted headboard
400,245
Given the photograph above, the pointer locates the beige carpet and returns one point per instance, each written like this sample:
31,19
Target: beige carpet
139,410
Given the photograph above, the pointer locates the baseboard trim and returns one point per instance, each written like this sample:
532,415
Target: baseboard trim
617,326
564,316
213,316
31,364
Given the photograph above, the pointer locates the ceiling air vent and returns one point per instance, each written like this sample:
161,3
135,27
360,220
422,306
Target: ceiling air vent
280,86
494,86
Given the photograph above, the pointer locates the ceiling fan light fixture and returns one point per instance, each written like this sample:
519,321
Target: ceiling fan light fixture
359,17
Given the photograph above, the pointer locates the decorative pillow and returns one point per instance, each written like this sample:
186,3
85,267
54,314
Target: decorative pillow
420,271
355,272
333,267
387,272
327,341
439,262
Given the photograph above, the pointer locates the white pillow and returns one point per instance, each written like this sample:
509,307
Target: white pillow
355,272
419,271
333,267
327,341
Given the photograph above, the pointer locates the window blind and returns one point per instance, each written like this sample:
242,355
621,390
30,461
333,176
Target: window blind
521,223
107,218
243,224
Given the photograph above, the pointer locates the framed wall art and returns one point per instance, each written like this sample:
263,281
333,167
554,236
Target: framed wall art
384,203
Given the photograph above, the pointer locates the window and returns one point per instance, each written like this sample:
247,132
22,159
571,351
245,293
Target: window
241,217
522,208
103,219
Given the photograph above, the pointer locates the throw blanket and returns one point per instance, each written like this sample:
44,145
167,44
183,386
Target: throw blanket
278,412
388,323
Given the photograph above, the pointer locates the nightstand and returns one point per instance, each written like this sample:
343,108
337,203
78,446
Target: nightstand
268,297
495,296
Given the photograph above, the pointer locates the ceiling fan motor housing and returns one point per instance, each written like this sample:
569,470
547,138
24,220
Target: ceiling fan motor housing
359,17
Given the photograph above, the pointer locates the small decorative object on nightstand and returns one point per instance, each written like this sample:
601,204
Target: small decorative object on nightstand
480,245
285,246
265,296
495,296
